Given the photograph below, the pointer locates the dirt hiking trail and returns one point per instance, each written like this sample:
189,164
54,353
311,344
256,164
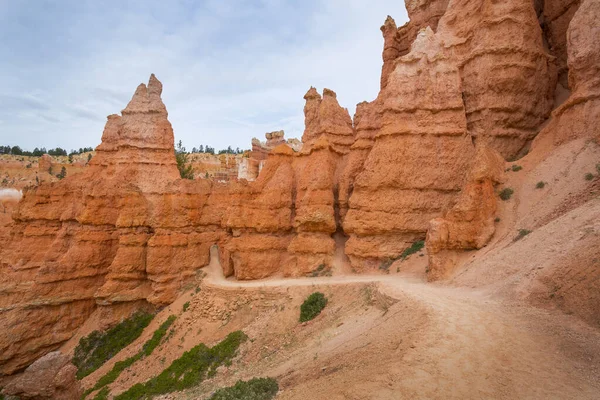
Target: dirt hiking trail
435,342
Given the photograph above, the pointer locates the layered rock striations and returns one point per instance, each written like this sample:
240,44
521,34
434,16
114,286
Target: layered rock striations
415,168
470,223
507,76
555,17
397,41
253,162
96,238
579,115
323,117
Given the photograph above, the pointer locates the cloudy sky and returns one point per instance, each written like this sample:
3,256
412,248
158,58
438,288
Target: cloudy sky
231,69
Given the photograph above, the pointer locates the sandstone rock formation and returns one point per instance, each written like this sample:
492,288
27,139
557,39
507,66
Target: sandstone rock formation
397,41
415,168
579,115
86,239
45,163
323,116
251,165
555,16
470,223
52,377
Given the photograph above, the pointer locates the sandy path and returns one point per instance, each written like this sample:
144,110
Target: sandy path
473,346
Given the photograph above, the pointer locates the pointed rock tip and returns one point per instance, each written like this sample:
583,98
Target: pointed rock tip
154,85
146,98
389,23
274,135
329,93
312,94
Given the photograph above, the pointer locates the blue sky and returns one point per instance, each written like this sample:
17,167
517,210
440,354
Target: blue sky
231,70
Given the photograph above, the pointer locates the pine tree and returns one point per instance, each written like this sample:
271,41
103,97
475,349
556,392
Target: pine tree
186,171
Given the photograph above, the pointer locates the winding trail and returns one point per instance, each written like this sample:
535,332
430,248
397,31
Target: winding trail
473,346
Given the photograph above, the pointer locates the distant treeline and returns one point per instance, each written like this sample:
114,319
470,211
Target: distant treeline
211,150
38,152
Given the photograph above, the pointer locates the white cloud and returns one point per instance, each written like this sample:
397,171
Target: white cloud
231,70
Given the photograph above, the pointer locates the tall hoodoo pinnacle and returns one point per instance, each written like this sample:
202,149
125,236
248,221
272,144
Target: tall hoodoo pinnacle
323,115
146,99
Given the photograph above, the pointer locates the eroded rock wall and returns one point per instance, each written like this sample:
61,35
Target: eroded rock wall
127,229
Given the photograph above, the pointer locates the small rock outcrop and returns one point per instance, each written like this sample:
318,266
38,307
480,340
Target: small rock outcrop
323,116
51,377
250,166
470,223
579,115
45,163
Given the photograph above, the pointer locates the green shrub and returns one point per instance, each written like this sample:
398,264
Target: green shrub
62,174
102,395
522,233
589,176
540,185
186,171
116,370
188,370
312,306
97,348
516,168
186,306
147,349
598,167
415,247
254,389
506,193
156,338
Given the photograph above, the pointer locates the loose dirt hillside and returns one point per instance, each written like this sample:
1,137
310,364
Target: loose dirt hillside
380,337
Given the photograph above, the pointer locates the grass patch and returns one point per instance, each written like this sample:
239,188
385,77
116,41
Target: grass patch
254,389
114,373
312,306
186,306
506,193
589,176
97,348
121,366
415,247
154,341
188,370
540,185
516,168
102,395
522,233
